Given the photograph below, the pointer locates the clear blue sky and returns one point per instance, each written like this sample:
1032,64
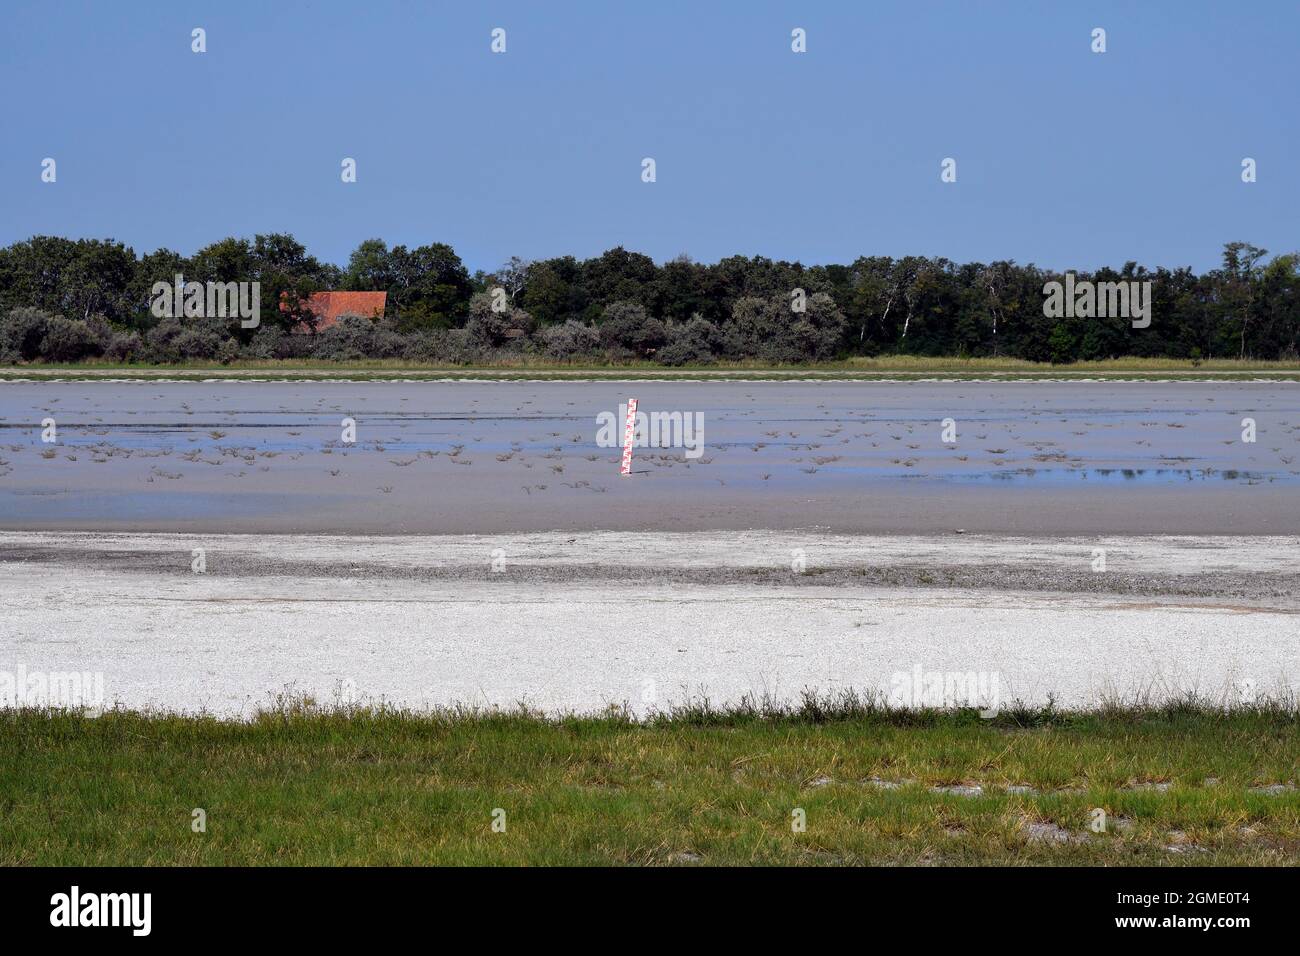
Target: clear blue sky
1065,158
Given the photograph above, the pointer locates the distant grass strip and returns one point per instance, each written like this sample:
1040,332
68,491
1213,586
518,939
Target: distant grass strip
531,367
304,784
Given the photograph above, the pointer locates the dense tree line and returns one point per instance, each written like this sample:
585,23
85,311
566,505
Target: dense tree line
66,300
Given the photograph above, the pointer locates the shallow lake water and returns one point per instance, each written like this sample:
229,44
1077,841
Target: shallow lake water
457,457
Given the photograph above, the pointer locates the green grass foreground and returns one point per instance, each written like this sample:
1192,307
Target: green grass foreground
1183,784
898,367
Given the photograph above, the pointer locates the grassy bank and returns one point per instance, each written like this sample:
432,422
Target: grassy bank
532,367
302,785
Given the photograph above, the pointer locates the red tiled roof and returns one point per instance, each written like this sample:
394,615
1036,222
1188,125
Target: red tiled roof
328,306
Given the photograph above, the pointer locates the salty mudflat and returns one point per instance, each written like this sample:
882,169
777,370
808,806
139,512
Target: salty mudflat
580,621
210,545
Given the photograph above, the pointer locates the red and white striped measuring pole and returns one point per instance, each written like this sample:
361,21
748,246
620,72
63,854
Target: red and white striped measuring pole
629,437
